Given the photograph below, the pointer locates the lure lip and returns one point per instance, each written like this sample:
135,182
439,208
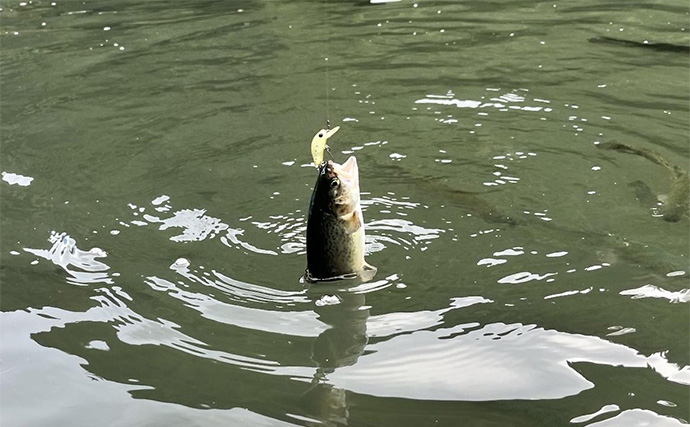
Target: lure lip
331,132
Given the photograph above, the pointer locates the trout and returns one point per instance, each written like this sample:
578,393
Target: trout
335,225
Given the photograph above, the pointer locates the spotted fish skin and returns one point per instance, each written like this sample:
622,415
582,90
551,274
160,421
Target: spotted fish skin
335,226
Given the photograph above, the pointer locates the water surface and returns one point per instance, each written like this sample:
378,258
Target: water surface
156,178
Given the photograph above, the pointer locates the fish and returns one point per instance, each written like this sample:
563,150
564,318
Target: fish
676,204
318,144
335,225
661,47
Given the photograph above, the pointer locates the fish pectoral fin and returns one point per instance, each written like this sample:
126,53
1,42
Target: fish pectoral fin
353,221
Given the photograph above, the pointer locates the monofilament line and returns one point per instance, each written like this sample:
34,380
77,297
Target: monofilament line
328,68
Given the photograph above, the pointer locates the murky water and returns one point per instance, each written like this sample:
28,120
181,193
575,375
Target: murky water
155,161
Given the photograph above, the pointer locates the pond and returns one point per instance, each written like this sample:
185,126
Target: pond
156,181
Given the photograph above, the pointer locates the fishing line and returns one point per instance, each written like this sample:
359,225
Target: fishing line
328,69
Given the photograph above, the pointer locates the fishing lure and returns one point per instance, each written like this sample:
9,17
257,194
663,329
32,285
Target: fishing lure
319,144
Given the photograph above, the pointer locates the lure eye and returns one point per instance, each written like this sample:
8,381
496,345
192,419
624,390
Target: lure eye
334,182
320,135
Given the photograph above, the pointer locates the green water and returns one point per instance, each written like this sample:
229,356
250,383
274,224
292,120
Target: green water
156,178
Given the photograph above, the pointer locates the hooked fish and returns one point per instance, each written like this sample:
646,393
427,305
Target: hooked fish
335,225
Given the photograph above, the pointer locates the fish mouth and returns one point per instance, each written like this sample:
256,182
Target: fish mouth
348,172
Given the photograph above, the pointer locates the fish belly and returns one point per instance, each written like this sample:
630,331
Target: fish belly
331,249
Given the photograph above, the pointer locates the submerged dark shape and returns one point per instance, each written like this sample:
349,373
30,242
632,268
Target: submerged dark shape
661,47
676,203
450,191
335,225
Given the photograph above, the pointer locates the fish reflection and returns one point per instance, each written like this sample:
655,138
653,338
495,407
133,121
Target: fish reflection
338,346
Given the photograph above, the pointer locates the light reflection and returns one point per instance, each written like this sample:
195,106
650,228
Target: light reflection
16,179
134,329
490,262
501,102
498,361
83,266
524,277
291,323
587,417
652,291
569,293
195,225
638,417
396,323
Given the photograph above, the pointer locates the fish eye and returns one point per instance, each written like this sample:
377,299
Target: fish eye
320,135
334,182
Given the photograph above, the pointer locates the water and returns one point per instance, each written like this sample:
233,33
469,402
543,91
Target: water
154,193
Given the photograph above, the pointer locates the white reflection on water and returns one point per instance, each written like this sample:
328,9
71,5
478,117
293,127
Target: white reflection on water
569,293
389,324
587,417
195,226
286,322
509,254
638,418
16,179
523,277
83,266
135,329
502,103
291,229
495,362
68,395
652,291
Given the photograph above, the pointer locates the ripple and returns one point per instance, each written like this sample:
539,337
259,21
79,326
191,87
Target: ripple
135,329
82,266
498,361
291,228
280,314
379,233
195,225
390,324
